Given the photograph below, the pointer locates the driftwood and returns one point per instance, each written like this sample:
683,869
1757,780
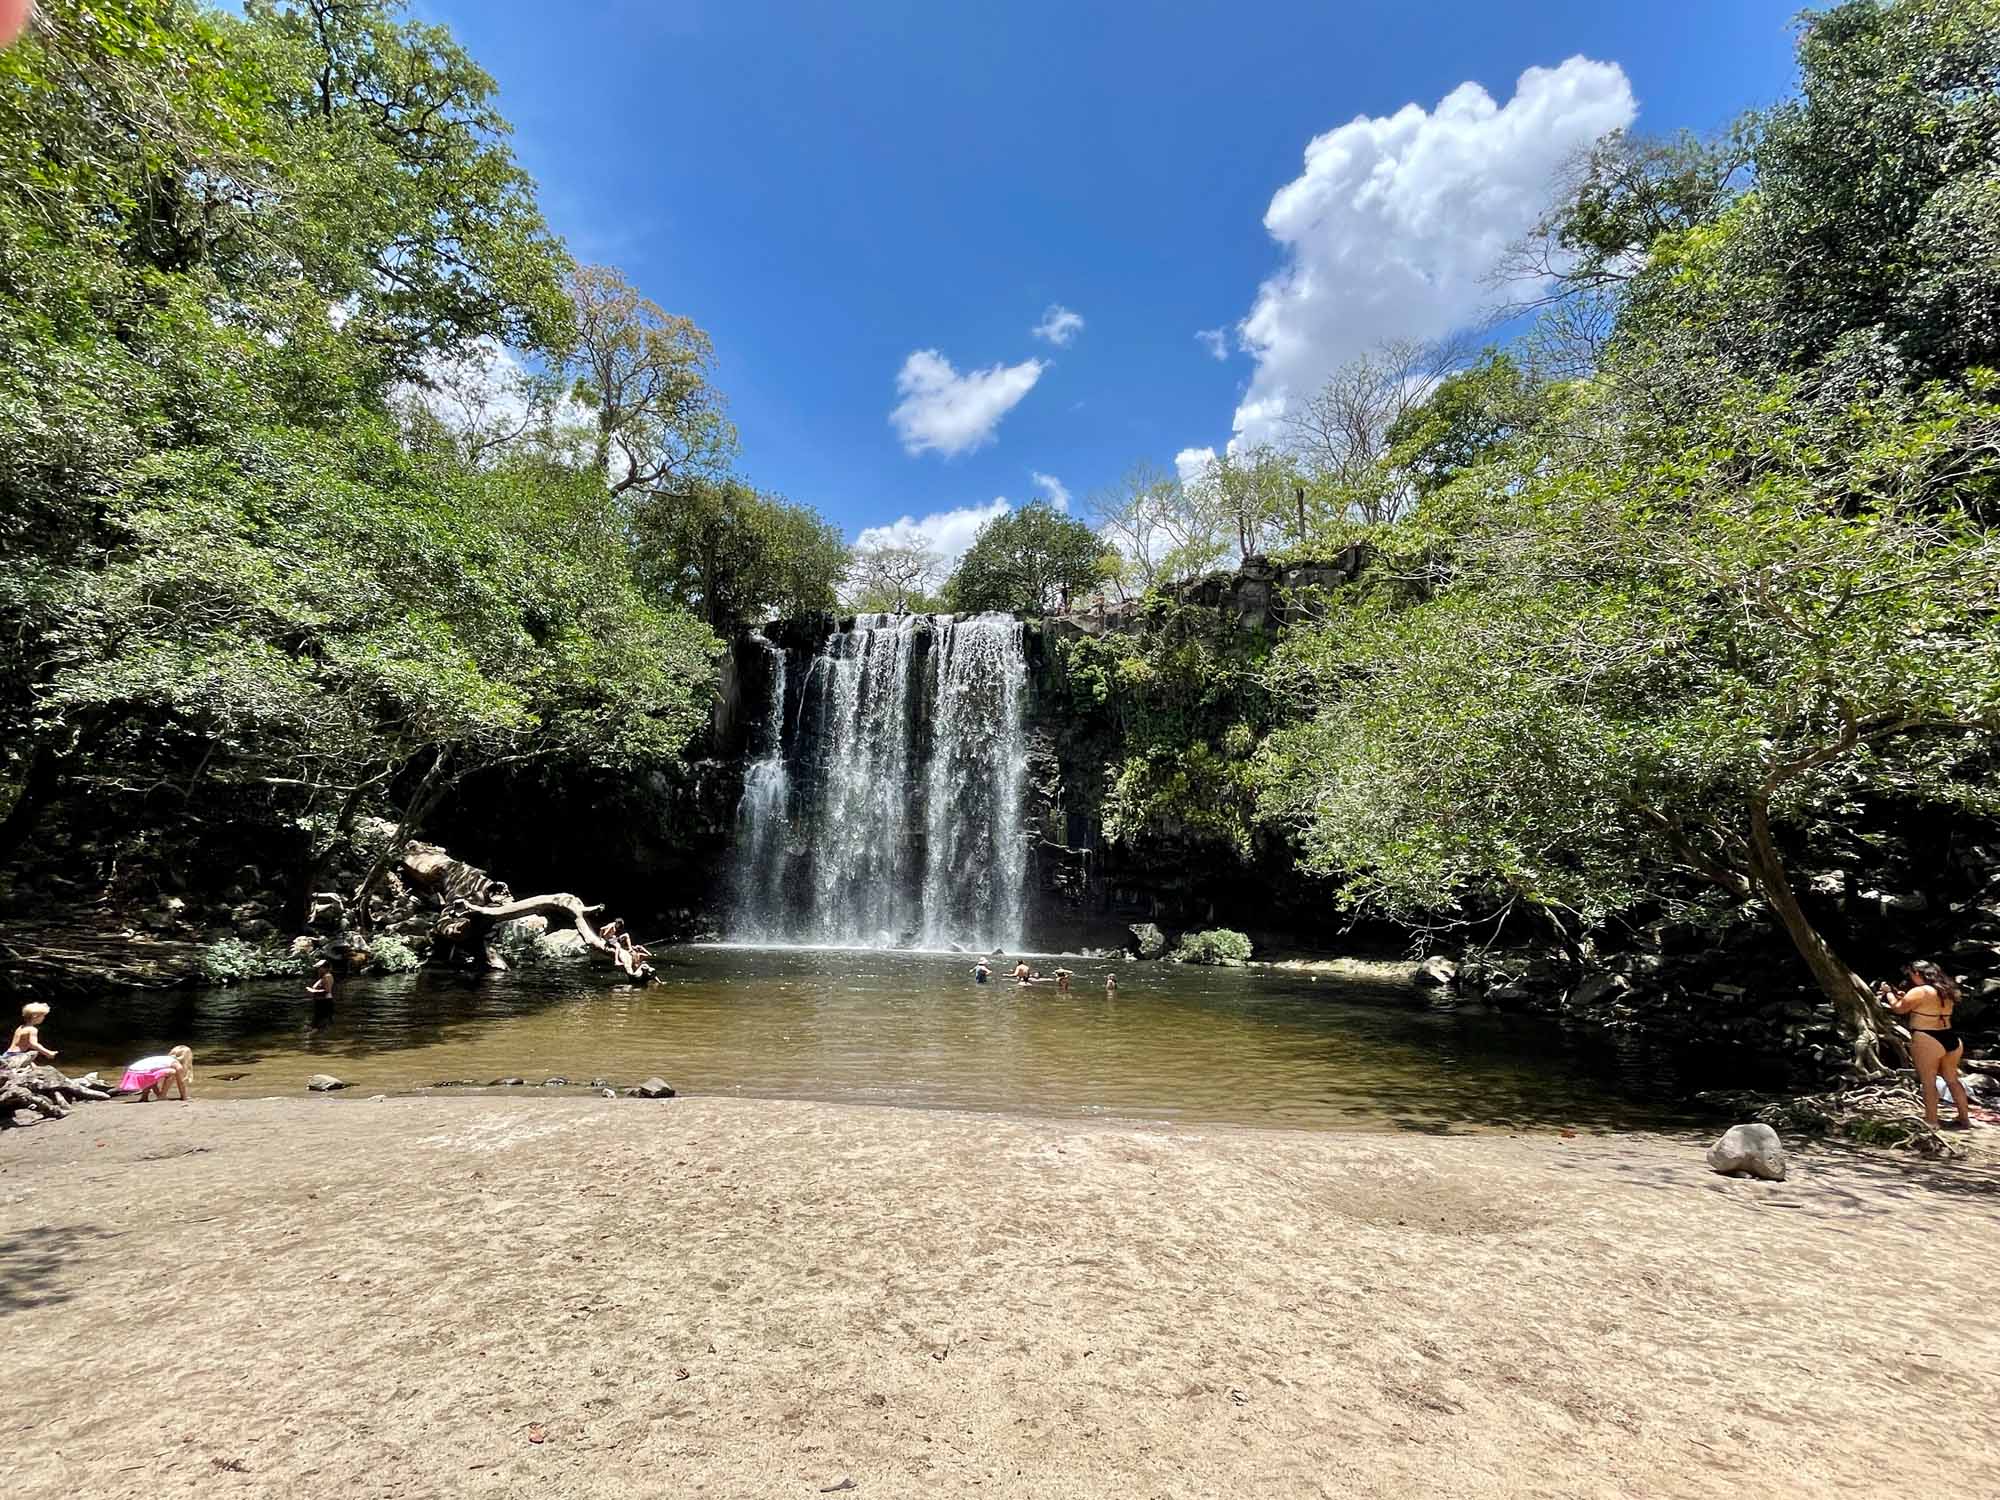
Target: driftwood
34,1089
464,925
473,906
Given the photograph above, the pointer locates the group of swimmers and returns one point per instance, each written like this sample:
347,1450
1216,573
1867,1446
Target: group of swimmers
982,973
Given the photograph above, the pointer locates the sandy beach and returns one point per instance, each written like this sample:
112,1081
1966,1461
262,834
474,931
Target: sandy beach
740,1297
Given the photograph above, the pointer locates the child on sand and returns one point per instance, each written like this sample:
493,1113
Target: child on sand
150,1077
27,1042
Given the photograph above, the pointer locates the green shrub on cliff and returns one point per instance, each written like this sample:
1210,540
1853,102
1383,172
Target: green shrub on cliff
1220,946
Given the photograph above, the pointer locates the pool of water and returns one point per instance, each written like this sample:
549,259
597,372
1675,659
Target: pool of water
1242,1046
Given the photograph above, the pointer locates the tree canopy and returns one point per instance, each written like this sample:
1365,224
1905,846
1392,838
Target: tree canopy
326,479
1030,561
1647,625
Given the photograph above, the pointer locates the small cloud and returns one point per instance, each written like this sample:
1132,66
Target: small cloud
946,532
945,412
1192,463
1059,325
1052,488
1215,341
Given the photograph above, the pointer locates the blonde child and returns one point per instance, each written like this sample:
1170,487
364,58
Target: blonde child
150,1077
27,1042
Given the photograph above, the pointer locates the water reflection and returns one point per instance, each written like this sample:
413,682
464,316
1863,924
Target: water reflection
1250,1047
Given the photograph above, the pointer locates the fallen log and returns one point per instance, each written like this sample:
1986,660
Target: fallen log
464,925
39,1089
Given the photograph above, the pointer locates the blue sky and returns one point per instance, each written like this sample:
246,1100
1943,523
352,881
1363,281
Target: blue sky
831,190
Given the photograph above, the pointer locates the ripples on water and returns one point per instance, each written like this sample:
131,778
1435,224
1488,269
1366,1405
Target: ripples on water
1240,1046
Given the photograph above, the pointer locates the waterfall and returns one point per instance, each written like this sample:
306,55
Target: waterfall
886,808
763,812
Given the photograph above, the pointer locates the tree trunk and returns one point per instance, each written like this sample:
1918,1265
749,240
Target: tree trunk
1866,1024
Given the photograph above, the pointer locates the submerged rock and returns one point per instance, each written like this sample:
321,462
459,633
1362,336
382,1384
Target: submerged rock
1754,1150
324,1083
1436,973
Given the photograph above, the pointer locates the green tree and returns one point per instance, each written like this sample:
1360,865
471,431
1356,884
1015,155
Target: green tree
1626,672
1029,561
737,557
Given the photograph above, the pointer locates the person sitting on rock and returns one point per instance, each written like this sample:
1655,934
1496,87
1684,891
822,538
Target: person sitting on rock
150,1077
26,1045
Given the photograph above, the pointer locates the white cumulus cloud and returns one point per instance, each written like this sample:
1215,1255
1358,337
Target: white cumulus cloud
945,412
1051,489
1059,325
1214,340
946,532
1192,463
1396,219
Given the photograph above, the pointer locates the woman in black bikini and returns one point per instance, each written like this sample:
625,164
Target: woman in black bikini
1935,1046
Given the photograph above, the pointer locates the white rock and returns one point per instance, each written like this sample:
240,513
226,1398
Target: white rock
324,1083
1752,1149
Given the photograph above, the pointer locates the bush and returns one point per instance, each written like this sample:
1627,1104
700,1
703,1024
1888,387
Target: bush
229,960
525,948
1218,945
390,954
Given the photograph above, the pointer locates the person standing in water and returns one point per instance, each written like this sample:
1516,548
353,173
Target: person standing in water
1111,986
1022,973
980,973
1935,1045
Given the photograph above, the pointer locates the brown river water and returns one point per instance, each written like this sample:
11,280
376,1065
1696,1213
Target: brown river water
1238,1046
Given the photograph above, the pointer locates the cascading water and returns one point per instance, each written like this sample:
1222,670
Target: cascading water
762,830
885,805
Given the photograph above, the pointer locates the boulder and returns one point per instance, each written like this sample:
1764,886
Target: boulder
324,1083
655,1088
1752,1150
1597,990
500,1083
1436,973
1150,940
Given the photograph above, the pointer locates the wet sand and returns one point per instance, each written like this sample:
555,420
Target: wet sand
756,1298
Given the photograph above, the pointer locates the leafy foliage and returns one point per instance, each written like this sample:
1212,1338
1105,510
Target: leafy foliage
243,559
1220,946
1030,561
1644,624
231,960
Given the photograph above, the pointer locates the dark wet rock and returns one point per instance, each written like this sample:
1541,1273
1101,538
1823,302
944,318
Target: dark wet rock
504,1083
324,1083
655,1088
554,1083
